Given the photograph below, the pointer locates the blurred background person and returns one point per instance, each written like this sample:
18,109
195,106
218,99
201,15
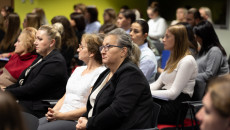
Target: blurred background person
194,17
157,24
215,113
206,13
77,21
6,10
23,57
69,41
125,19
46,77
193,45
181,14
80,8
91,17
12,31
32,20
123,8
148,63
10,113
41,14
212,58
110,16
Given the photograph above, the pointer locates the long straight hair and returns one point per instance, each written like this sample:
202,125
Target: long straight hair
209,38
12,32
181,46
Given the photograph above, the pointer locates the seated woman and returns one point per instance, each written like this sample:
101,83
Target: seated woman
72,105
212,58
148,63
215,114
23,57
118,100
46,78
176,83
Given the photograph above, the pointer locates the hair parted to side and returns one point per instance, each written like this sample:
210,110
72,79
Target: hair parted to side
54,32
124,40
206,32
12,31
10,113
32,20
94,41
30,35
219,89
181,46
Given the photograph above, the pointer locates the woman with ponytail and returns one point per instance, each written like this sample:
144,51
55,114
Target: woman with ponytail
120,98
46,77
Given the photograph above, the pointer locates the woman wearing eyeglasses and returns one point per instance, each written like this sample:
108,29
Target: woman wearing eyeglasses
121,97
72,105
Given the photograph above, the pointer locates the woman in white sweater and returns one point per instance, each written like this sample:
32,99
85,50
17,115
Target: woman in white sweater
176,83
73,104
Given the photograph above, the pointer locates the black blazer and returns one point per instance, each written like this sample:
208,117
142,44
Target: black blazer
47,80
125,102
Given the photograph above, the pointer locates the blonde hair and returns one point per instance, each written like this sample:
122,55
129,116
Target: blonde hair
54,32
30,35
219,89
181,46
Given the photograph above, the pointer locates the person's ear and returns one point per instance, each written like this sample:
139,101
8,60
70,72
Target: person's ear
91,55
52,43
145,35
124,52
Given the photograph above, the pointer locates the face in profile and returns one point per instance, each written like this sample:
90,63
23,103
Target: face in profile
83,51
111,55
136,34
42,43
20,48
209,118
122,22
169,41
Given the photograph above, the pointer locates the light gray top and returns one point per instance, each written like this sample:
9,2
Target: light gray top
211,64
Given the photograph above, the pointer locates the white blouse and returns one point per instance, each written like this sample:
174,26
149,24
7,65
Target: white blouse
169,85
78,88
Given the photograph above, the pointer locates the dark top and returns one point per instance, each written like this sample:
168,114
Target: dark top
68,54
125,102
47,80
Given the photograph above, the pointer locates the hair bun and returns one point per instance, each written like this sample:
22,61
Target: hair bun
59,27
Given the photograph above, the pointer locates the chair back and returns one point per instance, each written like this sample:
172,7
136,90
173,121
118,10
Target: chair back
199,90
156,111
31,121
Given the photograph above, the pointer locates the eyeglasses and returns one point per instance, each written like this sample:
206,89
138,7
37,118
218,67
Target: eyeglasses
107,47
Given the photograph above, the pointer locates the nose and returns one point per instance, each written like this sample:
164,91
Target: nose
15,44
200,114
78,49
103,50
